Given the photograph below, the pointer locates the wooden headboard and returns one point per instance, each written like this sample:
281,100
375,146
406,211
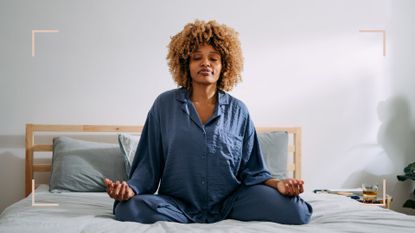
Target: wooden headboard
35,130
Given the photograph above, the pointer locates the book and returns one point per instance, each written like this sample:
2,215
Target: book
344,192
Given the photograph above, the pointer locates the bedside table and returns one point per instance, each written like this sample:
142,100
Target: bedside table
384,202
357,194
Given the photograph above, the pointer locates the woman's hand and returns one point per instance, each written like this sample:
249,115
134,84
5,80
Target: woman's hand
287,187
118,191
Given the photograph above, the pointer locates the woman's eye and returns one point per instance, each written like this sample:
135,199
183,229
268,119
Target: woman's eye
215,58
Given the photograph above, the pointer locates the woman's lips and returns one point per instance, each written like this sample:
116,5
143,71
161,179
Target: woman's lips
205,72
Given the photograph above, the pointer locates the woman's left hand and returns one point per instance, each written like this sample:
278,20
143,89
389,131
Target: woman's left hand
287,187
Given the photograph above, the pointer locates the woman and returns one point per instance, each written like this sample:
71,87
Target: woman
199,146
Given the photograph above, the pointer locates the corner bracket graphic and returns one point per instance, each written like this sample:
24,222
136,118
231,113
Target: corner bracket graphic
34,37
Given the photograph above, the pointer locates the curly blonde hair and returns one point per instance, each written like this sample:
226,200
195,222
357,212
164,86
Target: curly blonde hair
221,37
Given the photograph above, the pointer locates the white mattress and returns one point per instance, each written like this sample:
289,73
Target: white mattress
92,212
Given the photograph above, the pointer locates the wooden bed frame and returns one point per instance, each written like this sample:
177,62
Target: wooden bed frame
35,130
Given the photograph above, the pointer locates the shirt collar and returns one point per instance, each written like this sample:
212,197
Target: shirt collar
183,96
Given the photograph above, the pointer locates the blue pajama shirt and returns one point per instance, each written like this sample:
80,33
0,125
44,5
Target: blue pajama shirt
196,166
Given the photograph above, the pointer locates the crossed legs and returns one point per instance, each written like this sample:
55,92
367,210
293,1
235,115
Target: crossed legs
253,203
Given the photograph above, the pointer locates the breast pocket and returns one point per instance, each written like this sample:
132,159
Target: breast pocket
229,149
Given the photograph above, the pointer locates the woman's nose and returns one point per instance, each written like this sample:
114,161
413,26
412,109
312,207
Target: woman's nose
205,62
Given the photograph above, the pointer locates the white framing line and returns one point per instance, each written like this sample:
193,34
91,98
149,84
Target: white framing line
34,36
383,31
40,204
384,192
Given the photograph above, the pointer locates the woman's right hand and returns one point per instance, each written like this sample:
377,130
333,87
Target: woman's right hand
287,187
118,191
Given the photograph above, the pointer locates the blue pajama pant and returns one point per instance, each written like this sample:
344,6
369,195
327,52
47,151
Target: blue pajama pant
252,203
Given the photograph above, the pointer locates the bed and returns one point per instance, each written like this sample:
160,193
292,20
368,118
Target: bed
66,211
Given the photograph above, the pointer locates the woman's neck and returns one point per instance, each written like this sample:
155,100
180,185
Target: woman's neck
204,94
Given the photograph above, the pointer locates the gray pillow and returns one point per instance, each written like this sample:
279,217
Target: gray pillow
274,148
81,166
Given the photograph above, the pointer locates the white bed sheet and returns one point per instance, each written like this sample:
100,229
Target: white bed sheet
92,212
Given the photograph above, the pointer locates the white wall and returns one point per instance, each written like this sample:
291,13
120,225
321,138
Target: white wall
397,132
306,64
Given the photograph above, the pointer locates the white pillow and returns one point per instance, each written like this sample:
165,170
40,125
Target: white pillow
274,148
128,145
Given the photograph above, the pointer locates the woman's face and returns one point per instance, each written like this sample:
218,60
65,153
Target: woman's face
205,65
